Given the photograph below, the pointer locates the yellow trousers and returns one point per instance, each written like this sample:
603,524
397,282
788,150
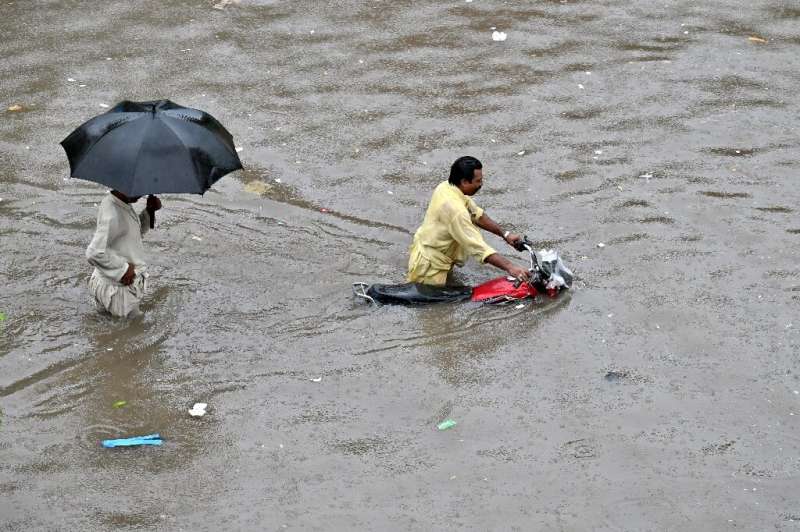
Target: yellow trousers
420,269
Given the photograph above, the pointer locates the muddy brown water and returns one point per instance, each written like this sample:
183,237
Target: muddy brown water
661,394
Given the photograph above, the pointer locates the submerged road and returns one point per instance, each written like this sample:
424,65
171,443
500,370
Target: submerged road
663,393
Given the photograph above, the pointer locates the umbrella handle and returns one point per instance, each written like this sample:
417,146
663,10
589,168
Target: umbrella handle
152,219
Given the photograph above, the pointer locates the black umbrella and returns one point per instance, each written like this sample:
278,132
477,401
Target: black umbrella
141,148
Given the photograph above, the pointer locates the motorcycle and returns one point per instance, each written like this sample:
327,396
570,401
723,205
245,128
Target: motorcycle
547,275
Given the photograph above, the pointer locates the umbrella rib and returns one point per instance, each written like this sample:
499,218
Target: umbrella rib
228,148
138,152
108,131
177,136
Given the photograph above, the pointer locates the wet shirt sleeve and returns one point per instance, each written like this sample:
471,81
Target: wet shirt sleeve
144,222
464,232
475,212
99,253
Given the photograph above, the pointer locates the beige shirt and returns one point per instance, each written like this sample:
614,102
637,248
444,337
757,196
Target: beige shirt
118,239
448,233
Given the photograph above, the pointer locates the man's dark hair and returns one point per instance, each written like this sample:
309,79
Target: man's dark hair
464,170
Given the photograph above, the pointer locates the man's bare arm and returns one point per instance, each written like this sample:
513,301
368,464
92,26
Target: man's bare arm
487,224
496,259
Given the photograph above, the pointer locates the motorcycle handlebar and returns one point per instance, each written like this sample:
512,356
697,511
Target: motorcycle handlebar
523,244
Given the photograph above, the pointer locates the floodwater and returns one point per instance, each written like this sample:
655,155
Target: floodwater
661,394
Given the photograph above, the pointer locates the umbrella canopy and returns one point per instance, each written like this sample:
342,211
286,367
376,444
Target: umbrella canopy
141,148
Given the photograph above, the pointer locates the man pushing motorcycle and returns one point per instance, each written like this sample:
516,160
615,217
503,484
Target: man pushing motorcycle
449,232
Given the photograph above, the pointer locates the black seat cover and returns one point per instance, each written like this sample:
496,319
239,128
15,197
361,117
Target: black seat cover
416,293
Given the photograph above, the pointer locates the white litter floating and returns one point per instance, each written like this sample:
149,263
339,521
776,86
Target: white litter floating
521,305
601,245
521,152
238,149
198,410
318,379
195,237
104,105
70,79
499,36
222,4
580,86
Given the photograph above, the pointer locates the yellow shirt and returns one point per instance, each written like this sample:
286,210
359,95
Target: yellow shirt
447,236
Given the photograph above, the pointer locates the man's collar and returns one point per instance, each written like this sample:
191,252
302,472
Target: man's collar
458,191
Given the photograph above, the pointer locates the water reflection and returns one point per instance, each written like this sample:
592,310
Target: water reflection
460,339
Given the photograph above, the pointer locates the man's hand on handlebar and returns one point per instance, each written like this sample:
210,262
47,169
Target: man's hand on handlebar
519,273
513,240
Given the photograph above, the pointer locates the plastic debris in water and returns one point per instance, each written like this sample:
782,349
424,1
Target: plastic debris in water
499,36
70,79
446,424
195,237
756,39
318,379
257,187
198,410
104,105
239,149
14,108
521,152
601,245
521,305
119,404
150,439
222,4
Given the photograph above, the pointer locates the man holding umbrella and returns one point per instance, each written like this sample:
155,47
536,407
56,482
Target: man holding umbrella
137,149
119,280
